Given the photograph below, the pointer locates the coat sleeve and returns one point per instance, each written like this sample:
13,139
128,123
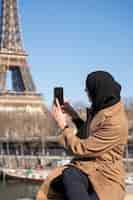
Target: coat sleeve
104,138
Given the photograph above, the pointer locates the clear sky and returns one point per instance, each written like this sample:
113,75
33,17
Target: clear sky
67,39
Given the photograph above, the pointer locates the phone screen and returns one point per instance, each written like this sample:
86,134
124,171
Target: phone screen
58,94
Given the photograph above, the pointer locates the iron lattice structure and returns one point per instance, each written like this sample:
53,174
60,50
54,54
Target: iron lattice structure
10,33
12,55
22,112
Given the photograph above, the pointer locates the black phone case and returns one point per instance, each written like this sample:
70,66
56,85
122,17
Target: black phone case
58,94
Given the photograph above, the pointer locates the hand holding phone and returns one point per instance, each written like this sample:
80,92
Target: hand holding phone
57,107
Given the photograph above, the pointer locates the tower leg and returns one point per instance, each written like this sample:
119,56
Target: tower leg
27,79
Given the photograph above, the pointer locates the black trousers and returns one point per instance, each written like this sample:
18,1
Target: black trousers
75,185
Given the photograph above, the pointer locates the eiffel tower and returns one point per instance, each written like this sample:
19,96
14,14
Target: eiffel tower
23,115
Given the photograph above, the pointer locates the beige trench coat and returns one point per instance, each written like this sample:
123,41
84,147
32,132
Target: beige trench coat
108,133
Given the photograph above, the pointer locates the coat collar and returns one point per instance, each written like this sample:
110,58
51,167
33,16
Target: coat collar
112,109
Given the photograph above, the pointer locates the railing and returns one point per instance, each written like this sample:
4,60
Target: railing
24,93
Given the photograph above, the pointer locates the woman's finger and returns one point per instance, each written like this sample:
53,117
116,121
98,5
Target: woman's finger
54,111
58,104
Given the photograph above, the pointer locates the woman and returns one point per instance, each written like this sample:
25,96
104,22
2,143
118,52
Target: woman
97,171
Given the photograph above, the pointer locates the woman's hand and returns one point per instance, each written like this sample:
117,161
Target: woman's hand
58,114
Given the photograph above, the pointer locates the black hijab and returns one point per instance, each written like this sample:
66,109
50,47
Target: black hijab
103,90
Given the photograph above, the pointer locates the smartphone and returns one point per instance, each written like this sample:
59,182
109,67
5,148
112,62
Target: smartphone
58,94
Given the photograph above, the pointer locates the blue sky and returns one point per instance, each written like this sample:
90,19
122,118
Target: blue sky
67,39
